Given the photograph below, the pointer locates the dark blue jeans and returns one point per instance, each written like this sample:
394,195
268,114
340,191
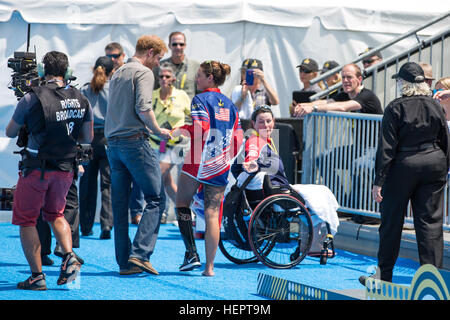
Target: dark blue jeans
137,201
135,159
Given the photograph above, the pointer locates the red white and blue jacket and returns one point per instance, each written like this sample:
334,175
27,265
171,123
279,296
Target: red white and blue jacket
266,156
216,136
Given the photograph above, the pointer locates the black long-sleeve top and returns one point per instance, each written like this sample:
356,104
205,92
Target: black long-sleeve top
409,122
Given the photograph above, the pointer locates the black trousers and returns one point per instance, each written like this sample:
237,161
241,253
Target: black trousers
421,178
88,187
72,217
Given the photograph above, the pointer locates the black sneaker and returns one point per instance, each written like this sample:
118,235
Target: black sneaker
363,279
60,254
37,284
191,261
69,269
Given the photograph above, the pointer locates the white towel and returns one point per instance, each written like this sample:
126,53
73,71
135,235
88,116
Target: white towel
320,201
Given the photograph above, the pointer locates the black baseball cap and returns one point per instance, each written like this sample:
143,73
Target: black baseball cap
329,65
252,64
410,72
308,65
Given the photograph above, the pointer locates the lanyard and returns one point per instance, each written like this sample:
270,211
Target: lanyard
181,68
269,143
183,80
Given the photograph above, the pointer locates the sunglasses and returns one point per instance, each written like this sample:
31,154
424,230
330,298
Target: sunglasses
178,44
115,56
369,61
264,107
305,70
165,77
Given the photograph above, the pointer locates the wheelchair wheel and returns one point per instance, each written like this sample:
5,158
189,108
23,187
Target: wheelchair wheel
283,224
235,253
240,252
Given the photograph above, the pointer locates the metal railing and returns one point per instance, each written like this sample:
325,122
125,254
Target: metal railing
433,50
339,152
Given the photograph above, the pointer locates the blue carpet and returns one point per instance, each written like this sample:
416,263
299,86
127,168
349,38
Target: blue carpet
99,278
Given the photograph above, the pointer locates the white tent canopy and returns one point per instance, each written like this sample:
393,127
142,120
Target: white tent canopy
344,15
280,33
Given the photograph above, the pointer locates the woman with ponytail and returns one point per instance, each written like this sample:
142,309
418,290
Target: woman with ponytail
97,93
216,136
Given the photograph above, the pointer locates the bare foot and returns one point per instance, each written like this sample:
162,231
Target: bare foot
208,273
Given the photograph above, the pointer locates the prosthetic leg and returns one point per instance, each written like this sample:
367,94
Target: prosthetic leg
191,258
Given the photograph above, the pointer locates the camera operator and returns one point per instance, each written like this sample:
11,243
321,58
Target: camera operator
58,117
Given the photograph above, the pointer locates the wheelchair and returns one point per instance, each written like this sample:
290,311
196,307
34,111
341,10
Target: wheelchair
272,226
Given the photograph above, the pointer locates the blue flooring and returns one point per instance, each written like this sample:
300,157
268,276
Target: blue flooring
99,278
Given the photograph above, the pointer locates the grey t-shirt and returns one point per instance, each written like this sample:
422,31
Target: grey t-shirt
130,92
99,103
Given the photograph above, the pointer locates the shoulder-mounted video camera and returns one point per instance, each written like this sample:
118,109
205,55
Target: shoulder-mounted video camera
25,73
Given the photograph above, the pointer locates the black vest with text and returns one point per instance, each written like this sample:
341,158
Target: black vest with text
63,109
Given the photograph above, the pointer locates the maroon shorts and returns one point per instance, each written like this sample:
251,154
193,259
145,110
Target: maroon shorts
33,194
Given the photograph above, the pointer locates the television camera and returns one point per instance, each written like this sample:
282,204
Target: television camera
25,74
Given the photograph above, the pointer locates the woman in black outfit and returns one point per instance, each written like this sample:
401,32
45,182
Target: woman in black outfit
412,162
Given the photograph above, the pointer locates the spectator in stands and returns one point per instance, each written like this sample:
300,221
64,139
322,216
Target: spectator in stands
185,69
97,93
412,163
373,59
308,69
334,78
114,50
428,71
172,109
353,98
442,93
246,97
329,81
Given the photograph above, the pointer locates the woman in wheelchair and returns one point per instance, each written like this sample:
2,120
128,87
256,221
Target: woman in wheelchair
260,157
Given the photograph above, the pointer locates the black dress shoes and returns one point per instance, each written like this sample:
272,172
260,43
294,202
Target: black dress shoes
106,234
87,233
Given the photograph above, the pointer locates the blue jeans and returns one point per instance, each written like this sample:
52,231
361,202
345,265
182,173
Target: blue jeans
137,201
135,159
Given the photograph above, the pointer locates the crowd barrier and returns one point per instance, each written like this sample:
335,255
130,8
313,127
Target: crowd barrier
339,152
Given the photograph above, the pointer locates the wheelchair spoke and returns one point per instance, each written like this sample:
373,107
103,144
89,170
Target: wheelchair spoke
282,224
